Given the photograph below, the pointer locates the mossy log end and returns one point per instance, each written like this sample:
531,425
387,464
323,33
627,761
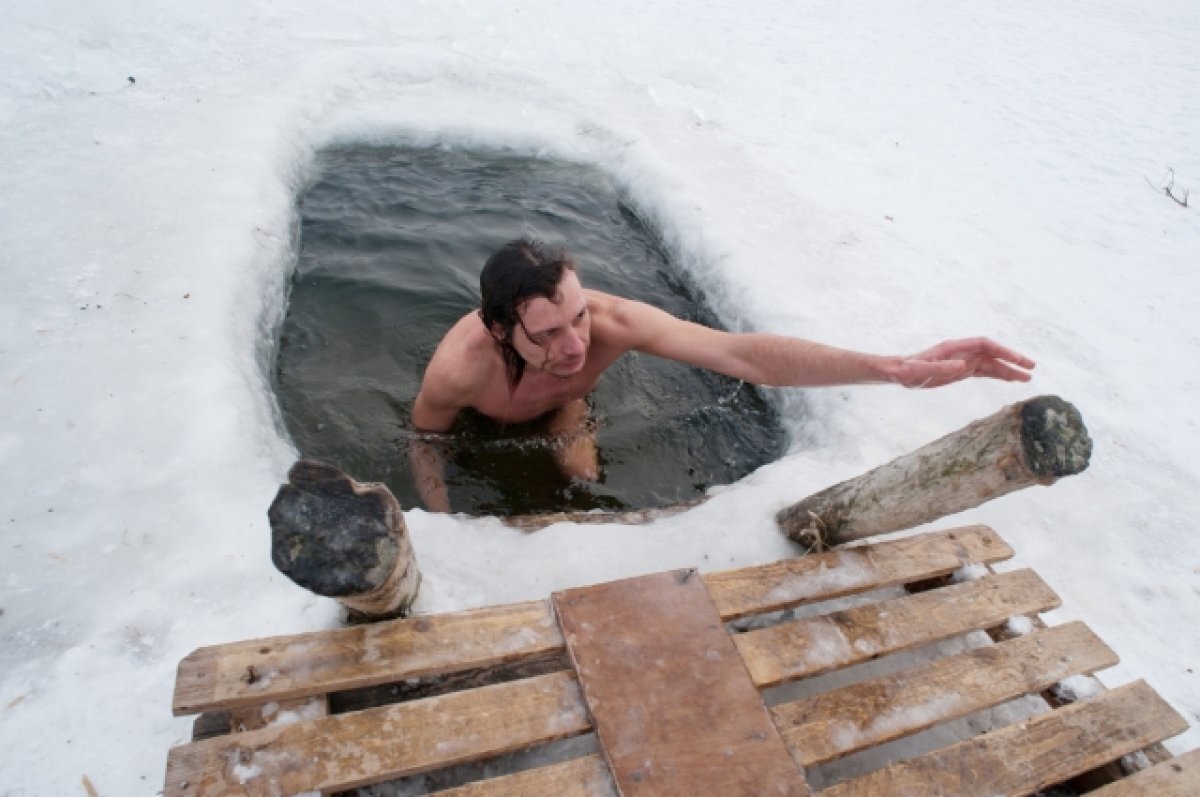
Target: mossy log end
1032,442
345,540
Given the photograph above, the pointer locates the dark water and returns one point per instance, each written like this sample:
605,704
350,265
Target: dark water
392,241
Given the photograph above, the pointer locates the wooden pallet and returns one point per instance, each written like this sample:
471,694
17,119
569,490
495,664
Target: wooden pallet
671,686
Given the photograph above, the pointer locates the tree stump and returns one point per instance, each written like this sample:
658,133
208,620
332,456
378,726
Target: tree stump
345,540
1032,442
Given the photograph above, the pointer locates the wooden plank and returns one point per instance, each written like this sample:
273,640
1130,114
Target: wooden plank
1105,774
1175,777
833,724
288,667
580,777
848,571
673,706
1030,755
349,750
813,645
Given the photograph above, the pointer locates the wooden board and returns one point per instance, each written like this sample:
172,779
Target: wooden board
813,645
673,706
843,721
371,746
255,672
287,667
1050,748
476,684
848,571
586,776
1175,777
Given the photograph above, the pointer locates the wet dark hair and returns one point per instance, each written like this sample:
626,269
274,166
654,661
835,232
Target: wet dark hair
521,270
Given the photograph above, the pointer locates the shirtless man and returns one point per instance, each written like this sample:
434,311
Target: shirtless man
541,341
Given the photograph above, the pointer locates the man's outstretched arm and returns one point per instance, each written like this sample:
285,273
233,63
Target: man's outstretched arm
783,361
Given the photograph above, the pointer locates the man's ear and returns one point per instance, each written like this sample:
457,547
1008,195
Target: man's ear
497,332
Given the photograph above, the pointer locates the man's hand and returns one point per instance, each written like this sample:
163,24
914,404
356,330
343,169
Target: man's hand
954,360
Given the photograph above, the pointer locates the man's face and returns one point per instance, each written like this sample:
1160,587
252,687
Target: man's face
554,336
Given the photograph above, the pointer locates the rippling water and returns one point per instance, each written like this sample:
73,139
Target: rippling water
392,241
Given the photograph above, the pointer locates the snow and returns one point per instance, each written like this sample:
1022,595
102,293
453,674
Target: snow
1019,625
1076,687
847,573
244,773
972,572
873,175
895,720
310,709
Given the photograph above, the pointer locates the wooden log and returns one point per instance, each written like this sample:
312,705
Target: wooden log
1032,442
345,540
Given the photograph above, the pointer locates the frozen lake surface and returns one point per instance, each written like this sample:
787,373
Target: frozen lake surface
876,175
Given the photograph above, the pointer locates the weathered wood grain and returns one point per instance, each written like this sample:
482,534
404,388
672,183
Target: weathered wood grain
1175,777
287,667
375,745
1030,755
1036,441
673,706
847,571
586,776
813,645
843,721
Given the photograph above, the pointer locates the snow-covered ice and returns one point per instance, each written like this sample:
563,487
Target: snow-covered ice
873,175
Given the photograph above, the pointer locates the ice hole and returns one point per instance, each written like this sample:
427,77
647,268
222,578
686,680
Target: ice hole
392,241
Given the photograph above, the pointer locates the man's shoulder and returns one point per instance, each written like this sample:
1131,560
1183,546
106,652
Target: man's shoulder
611,310
464,360
620,320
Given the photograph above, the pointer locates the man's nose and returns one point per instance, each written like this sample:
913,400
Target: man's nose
573,344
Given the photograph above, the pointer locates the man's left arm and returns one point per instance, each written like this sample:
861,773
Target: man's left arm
777,360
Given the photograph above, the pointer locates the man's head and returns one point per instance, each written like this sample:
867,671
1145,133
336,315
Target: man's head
535,309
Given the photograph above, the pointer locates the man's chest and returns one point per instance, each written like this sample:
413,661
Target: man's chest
536,395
